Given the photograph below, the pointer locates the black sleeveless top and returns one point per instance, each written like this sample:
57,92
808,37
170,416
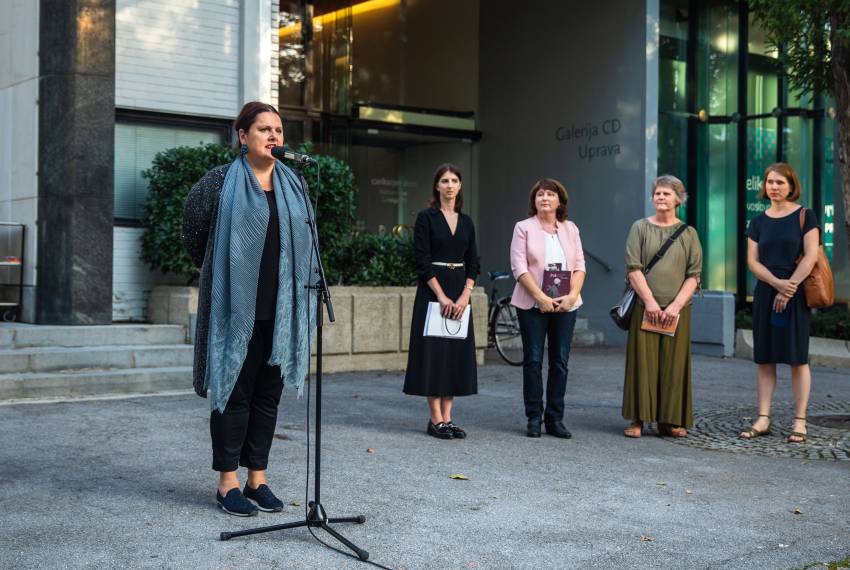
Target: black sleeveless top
269,266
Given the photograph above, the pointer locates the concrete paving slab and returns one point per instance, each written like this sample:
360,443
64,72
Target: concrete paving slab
127,483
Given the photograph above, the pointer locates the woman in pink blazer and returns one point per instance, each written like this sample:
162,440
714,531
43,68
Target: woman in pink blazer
546,240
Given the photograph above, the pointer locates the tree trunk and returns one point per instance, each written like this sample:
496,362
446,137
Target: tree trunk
840,20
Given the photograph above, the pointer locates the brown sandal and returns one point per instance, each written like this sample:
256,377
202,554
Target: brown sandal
671,430
797,434
635,429
753,432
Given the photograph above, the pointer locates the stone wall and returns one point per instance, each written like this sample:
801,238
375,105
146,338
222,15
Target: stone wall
371,331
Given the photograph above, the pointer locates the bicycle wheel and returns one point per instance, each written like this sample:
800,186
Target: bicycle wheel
506,332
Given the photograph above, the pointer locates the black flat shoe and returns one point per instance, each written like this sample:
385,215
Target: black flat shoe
457,433
265,499
558,429
440,430
533,428
236,504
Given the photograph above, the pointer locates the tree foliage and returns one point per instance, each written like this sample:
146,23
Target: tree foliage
803,34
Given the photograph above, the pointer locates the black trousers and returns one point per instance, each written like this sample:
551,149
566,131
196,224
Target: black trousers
243,433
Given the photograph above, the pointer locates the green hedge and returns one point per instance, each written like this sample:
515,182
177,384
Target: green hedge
364,259
833,322
376,260
334,203
170,177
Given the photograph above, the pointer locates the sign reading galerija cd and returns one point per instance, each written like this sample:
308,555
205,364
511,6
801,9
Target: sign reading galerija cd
592,141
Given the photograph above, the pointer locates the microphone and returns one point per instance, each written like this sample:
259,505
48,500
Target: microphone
283,153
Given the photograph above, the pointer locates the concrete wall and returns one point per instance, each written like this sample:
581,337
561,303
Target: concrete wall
564,94
371,330
19,25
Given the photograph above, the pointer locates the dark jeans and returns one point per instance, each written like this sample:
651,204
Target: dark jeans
242,435
535,327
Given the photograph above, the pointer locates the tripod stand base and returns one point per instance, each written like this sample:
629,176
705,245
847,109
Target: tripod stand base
316,518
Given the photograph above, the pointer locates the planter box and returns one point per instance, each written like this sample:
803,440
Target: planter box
713,323
174,305
822,351
372,328
371,331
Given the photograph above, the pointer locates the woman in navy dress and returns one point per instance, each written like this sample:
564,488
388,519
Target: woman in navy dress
447,264
781,319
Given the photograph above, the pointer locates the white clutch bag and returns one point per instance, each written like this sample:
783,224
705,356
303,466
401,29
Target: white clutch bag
439,326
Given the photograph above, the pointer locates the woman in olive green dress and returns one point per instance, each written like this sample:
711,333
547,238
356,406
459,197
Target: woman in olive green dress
657,385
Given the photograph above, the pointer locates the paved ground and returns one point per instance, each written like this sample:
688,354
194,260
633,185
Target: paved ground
126,483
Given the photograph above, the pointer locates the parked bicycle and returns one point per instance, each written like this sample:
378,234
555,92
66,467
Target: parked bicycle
503,325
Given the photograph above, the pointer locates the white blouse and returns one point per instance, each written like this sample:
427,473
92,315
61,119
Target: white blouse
554,252
555,256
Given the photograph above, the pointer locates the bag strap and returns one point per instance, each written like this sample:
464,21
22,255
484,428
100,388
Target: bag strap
665,247
803,223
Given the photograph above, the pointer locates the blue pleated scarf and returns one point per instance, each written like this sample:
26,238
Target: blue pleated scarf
240,234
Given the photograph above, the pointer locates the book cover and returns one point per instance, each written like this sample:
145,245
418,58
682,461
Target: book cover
556,283
668,331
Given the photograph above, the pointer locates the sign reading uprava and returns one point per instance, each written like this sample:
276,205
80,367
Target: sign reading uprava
585,137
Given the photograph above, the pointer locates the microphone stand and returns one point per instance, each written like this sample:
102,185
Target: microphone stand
316,516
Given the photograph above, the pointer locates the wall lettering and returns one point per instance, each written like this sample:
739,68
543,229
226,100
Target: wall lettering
588,148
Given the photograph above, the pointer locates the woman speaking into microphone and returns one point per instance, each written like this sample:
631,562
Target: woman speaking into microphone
243,226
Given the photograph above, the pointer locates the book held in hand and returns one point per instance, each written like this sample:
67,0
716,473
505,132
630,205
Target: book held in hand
667,331
556,283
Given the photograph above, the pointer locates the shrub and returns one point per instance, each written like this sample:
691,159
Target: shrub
174,171
833,322
377,260
334,203
170,177
744,317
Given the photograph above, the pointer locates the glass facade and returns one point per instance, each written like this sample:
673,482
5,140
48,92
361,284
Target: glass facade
390,86
724,115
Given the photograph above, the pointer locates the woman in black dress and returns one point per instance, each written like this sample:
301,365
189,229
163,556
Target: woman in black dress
781,319
447,265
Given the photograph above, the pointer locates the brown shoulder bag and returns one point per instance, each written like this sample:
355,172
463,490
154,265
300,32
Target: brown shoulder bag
818,286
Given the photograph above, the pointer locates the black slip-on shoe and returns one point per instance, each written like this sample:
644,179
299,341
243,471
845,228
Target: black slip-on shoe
440,430
457,432
558,429
236,504
265,499
533,428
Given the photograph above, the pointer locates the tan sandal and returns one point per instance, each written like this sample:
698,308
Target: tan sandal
753,432
671,430
635,429
797,434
